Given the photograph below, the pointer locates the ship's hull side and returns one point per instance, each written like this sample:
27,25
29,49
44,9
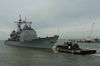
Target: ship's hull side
47,42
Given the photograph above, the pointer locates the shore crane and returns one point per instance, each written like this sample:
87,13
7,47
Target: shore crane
88,38
91,30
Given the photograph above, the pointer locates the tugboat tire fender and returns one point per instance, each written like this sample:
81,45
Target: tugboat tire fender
57,49
72,52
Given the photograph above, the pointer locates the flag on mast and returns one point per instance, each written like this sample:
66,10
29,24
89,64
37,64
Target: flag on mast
31,22
21,22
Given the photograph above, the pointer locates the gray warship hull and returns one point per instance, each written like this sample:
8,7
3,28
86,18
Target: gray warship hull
47,42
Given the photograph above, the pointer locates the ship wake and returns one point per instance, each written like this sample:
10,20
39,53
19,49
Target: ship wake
53,49
96,54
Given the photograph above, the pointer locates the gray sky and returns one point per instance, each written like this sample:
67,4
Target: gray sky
49,16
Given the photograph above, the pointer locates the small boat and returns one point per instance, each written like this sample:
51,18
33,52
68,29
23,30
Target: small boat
68,47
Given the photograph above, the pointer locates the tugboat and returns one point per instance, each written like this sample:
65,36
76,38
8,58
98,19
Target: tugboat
27,37
73,47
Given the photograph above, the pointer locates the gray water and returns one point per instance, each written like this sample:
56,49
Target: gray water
22,56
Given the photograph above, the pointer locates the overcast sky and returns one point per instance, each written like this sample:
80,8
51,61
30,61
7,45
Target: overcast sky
50,17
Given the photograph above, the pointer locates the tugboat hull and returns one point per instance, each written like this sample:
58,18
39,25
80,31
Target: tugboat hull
36,43
80,51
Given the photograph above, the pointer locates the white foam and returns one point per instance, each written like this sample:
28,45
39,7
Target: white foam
95,54
53,49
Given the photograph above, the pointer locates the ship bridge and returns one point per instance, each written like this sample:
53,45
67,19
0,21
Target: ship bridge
27,33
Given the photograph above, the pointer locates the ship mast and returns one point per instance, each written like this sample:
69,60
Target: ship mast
19,24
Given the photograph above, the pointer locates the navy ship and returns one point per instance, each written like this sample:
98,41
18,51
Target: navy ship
27,37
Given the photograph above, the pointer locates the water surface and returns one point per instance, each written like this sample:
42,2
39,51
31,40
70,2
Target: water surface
22,56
